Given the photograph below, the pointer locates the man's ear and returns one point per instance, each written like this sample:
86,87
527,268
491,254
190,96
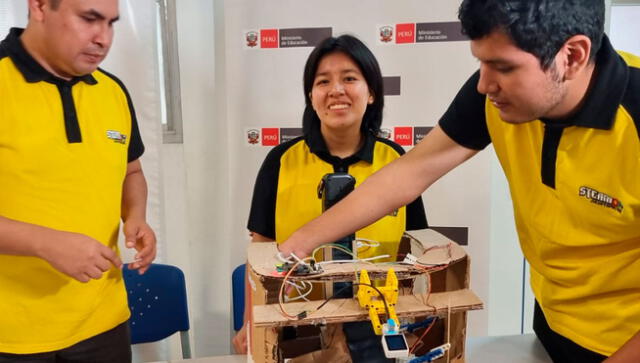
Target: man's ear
36,9
574,55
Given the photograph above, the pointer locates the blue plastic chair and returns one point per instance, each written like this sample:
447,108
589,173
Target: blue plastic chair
158,304
237,284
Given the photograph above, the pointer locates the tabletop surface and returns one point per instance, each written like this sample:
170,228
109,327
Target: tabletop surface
506,349
497,349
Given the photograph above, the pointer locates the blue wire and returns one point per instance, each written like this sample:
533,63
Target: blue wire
414,326
429,357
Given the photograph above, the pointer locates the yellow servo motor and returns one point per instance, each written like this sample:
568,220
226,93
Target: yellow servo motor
370,299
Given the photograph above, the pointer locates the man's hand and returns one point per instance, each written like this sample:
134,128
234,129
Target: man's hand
140,236
79,256
240,340
299,248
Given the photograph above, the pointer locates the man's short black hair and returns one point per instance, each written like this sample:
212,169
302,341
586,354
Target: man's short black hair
539,27
366,61
55,4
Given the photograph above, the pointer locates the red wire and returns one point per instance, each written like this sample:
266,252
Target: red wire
419,341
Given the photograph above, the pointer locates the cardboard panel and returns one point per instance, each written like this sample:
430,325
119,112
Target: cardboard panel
431,248
345,310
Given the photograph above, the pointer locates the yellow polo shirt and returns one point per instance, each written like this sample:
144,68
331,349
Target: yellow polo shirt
576,194
285,195
64,149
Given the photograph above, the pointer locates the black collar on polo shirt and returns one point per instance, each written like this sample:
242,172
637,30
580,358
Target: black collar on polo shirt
598,111
30,68
33,72
318,146
601,103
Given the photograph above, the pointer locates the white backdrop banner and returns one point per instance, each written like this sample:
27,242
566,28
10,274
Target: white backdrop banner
424,59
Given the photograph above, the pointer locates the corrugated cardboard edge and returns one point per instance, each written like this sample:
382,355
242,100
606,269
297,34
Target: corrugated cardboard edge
345,310
262,259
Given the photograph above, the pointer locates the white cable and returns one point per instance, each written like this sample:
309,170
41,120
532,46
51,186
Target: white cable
296,285
333,246
375,258
281,258
298,259
353,261
304,296
364,242
301,295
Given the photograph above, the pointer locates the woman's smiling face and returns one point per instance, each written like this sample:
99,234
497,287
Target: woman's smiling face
340,94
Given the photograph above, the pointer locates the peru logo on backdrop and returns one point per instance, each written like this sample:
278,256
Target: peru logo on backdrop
251,38
386,33
253,136
385,133
270,136
285,38
405,33
269,38
403,135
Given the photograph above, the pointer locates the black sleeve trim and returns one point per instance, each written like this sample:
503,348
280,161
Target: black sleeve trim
631,99
416,217
262,216
465,120
136,146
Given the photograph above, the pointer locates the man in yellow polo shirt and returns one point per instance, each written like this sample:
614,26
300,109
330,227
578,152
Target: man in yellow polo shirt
562,110
69,172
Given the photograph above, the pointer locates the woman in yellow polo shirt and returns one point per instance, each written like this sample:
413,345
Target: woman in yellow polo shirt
343,90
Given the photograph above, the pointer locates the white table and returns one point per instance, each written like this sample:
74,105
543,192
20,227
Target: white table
506,349
501,349
217,359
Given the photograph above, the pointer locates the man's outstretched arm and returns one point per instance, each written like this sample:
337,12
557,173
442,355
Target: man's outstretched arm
395,185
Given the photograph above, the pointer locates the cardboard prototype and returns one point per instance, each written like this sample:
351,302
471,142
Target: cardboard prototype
346,310
450,295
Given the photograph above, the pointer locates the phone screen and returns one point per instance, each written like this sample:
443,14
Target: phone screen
395,342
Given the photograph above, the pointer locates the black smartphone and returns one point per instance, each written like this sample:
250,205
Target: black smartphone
333,187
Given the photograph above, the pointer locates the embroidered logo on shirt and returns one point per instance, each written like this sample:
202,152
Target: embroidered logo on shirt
116,136
601,198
